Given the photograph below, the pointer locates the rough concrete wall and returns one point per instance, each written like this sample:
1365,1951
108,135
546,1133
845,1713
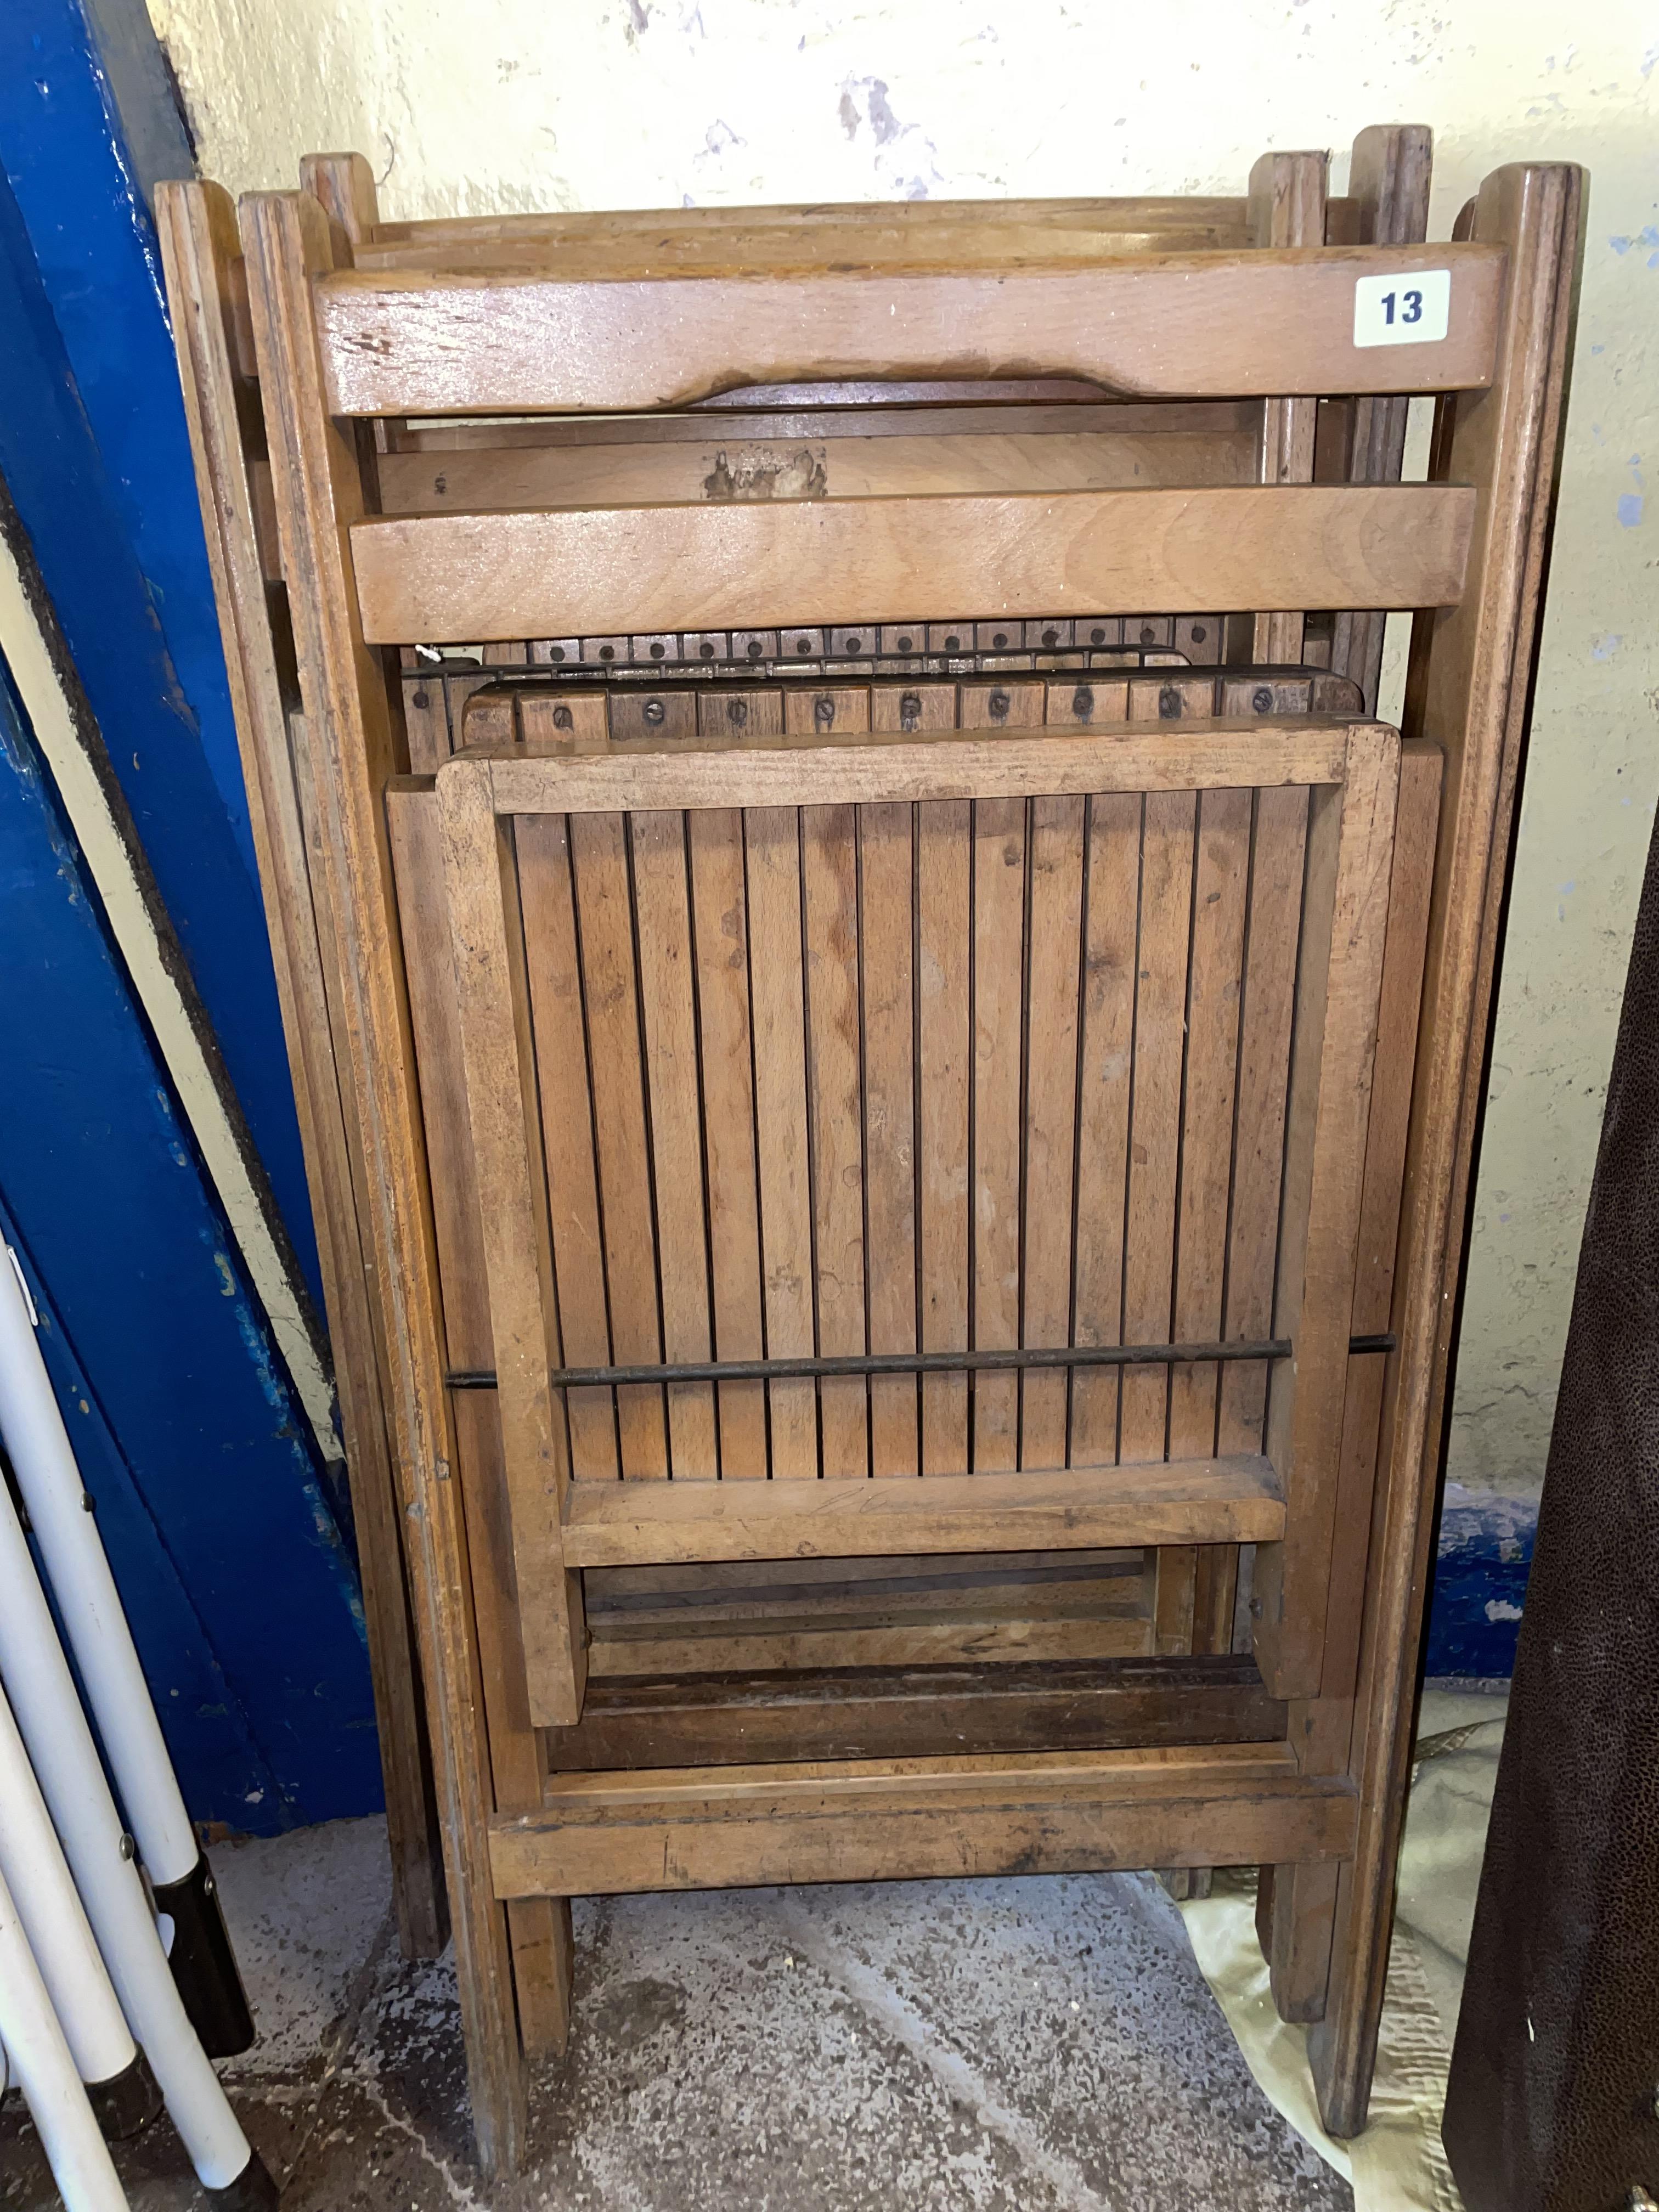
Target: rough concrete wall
504,104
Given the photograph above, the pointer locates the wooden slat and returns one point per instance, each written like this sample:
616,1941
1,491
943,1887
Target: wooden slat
862,1713
772,839
501,1093
1052,1013
605,927
781,773
827,224
451,579
1234,1500
1162,327
886,876
1160,1037
1111,925
318,495
547,903
945,1068
663,922
721,925
836,1103
195,225
773,463
1221,877
1275,933
1388,181
1474,705
857,1821
1350,850
997,982
1287,208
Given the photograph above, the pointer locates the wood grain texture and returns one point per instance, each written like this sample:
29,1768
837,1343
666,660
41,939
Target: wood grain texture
1468,696
944,1076
771,843
721,925
195,225
843,1713
499,1057
1349,853
451,578
996,1130
888,908
835,1105
1235,1500
1154,325
771,463
781,773
319,494
857,1821
553,965
1287,208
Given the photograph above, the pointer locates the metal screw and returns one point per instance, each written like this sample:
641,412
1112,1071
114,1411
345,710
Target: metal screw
417,698
706,651
855,645
823,711
1199,633
737,712
1148,634
607,653
657,651
754,649
909,710
558,654
655,712
907,645
1169,703
802,645
1083,703
563,719
1261,698
1051,638
1000,640
128,1847
953,645
999,703
1096,637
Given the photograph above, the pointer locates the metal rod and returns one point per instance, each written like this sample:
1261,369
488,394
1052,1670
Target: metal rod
909,1362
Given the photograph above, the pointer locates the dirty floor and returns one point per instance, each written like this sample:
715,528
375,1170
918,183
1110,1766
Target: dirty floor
1045,2044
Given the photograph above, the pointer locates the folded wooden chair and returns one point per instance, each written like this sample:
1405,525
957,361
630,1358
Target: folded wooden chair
1010,848
487,466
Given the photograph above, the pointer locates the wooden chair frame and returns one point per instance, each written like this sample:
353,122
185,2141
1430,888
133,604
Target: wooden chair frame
207,287
1478,562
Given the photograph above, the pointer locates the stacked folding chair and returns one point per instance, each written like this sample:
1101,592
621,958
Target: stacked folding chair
891,1117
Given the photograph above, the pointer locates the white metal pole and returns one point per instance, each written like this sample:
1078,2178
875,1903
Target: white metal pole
32,1867
35,2043
88,1600
37,1680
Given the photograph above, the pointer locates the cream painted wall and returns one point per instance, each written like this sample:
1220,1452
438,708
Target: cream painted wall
504,104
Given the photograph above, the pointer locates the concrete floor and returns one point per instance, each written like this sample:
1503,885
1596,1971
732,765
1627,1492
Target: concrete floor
1045,2044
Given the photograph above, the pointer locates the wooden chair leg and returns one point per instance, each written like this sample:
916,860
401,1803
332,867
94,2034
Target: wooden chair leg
1295,1918
543,1960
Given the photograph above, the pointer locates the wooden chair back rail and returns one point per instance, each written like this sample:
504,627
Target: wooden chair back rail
441,579
637,886
1149,327
559,716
